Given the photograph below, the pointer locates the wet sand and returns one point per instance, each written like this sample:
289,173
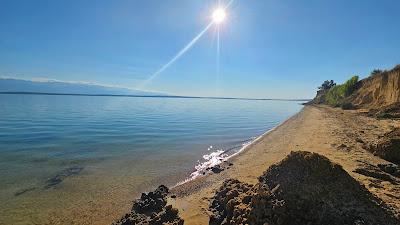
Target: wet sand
339,135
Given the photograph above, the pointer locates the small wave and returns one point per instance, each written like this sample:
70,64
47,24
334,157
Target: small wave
215,158
220,156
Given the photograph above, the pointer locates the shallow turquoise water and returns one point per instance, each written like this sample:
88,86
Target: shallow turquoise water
117,143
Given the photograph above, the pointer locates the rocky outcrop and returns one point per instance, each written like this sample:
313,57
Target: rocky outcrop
319,98
232,203
388,146
152,209
379,90
304,188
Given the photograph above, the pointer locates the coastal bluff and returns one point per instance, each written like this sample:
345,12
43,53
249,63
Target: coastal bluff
378,90
378,93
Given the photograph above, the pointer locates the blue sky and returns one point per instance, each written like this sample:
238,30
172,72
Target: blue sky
269,48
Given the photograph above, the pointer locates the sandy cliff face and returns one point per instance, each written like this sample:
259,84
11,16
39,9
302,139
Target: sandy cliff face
378,91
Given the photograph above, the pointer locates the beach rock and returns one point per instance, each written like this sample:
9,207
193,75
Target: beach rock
388,146
217,169
152,209
304,188
151,202
231,203
389,168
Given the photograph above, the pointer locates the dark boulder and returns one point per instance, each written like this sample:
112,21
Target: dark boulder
152,209
152,201
304,188
217,169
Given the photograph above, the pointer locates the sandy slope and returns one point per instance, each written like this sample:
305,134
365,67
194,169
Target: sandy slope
339,135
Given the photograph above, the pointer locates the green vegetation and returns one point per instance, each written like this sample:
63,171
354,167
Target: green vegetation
375,72
338,93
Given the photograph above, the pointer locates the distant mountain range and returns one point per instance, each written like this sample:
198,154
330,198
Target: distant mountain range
54,87
59,87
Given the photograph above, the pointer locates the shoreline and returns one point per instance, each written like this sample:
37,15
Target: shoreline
244,148
316,129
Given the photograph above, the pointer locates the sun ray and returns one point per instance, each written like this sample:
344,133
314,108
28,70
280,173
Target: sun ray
218,62
217,18
176,57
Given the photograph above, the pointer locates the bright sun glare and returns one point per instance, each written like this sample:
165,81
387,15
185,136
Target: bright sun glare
219,15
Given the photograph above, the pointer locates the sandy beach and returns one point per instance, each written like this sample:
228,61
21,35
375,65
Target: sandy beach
339,135
199,112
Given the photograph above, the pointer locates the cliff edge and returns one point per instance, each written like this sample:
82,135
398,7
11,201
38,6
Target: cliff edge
379,93
378,90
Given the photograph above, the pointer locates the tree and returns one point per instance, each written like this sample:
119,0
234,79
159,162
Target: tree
328,84
376,71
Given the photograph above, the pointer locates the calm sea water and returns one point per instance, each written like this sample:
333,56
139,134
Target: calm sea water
81,160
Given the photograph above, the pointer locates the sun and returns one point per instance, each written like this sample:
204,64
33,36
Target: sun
219,15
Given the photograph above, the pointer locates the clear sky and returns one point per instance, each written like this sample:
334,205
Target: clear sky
269,48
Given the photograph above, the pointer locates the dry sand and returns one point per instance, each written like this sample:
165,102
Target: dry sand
337,134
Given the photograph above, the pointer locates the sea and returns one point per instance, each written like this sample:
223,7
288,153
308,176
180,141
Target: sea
83,159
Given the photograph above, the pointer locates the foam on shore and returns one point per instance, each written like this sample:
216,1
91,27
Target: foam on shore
219,156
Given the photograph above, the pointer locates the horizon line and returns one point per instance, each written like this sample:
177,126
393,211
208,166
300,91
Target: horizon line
151,96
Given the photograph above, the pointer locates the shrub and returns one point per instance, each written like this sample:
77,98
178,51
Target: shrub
350,86
376,71
338,93
334,95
